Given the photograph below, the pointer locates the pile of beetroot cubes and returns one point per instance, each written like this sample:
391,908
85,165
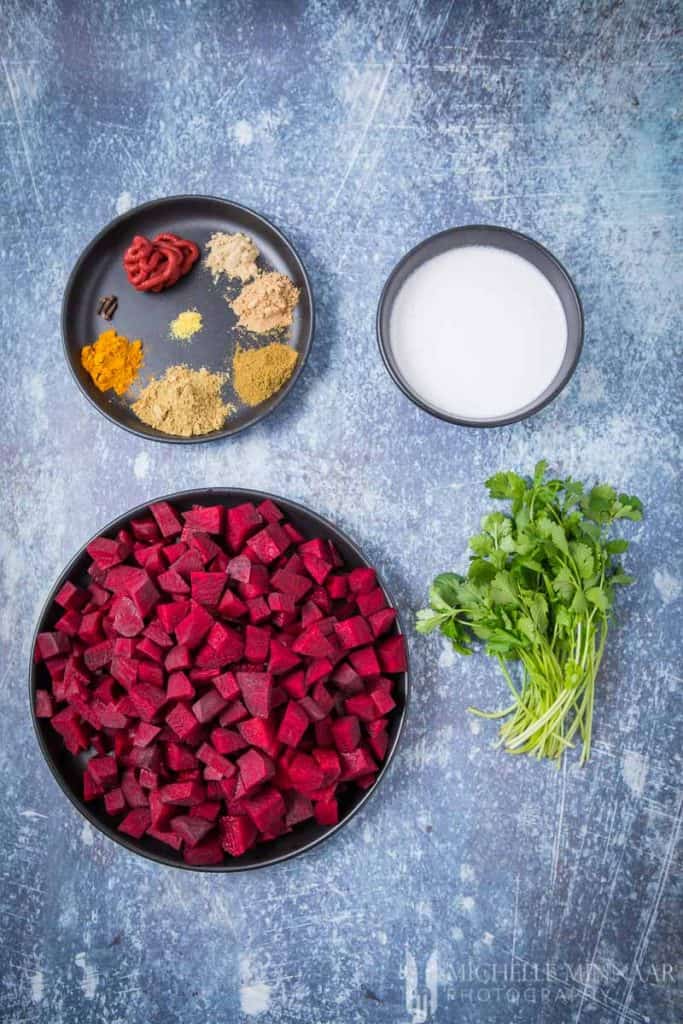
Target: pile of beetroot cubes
228,678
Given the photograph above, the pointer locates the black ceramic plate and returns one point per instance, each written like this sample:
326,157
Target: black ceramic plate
500,238
99,271
68,769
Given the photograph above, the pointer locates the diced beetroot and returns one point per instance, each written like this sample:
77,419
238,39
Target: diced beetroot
190,561
299,808
323,732
170,615
356,763
257,643
71,597
312,709
69,623
242,521
382,700
239,568
207,518
258,584
227,741
209,810
327,812
217,762
190,829
50,645
281,604
238,834
305,772
255,768
133,791
379,743
337,587
382,621
346,733
292,583
317,568
346,678
392,654
98,656
295,684
208,706
226,643
207,587
180,759
103,771
193,628
314,643
148,779
184,794
234,713
226,684
106,553
202,544
144,734
44,706
329,763
310,613
169,838
365,662
145,529
362,581
266,808
172,552
270,512
114,802
370,602
257,692
148,700
282,659
208,852
269,543
166,519
261,733
231,606
258,610
363,706
172,582
150,557
293,725
136,822
318,670
184,723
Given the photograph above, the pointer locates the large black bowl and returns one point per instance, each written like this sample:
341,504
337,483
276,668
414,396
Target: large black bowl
68,769
499,238
99,271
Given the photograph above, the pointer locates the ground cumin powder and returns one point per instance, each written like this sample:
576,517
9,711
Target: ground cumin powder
112,361
184,402
266,304
259,372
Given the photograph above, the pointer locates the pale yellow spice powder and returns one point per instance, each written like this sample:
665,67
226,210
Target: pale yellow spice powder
186,325
232,255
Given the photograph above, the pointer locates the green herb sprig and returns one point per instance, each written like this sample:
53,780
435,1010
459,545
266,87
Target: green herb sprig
539,591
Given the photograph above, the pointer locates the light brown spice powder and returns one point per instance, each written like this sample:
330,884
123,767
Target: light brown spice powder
259,372
232,255
266,304
184,402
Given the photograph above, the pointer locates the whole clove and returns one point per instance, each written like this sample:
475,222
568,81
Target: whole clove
107,306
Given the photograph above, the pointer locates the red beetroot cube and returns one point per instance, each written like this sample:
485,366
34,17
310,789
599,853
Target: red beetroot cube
98,656
293,725
240,568
362,705
205,518
314,643
299,808
379,741
208,852
148,700
207,587
148,649
371,602
166,519
317,568
346,733
255,768
266,809
257,643
258,584
346,678
323,733
185,794
327,812
238,834
365,662
145,529
202,544
357,763
179,687
69,623
184,723
158,635
258,610
292,583
144,733
295,684
227,741
337,587
177,659
193,628
226,684
209,810
190,561
330,764
219,764
269,543
50,645
208,706
362,581
71,597
44,705
257,692
282,659
261,733
382,699
305,773
180,759
114,802
270,512
382,621
191,830
172,582
105,552
136,822
234,713
242,521
392,654
103,771
310,613
231,606
170,615
169,838
318,670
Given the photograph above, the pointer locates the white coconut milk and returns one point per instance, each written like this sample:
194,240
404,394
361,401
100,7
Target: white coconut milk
478,332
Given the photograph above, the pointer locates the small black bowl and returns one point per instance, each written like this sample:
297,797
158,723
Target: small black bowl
68,769
500,238
99,271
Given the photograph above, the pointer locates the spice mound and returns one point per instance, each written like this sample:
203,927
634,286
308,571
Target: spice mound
154,265
112,361
259,372
267,304
184,402
232,255
186,325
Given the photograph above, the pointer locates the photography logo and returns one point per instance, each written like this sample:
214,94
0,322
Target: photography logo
421,992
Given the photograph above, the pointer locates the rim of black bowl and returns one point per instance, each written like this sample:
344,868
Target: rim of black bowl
480,234
225,431
128,842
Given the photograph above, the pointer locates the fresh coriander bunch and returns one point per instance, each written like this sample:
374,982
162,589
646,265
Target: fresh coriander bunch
539,591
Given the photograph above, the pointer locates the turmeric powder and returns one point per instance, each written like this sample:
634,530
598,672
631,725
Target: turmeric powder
112,361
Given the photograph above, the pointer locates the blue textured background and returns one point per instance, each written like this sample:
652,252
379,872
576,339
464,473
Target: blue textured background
359,129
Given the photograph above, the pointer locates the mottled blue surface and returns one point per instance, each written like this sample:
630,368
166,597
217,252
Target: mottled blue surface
359,129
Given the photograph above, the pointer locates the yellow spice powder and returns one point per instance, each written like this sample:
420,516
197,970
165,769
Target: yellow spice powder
259,372
186,325
112,361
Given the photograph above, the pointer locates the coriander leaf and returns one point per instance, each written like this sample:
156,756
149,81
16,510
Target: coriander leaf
564,584
503,589
583,559
481,571
616,547
481,544
444,591
596,596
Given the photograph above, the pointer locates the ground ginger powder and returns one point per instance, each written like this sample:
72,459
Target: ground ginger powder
184,402
112,361
259,372
232,255
266,304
